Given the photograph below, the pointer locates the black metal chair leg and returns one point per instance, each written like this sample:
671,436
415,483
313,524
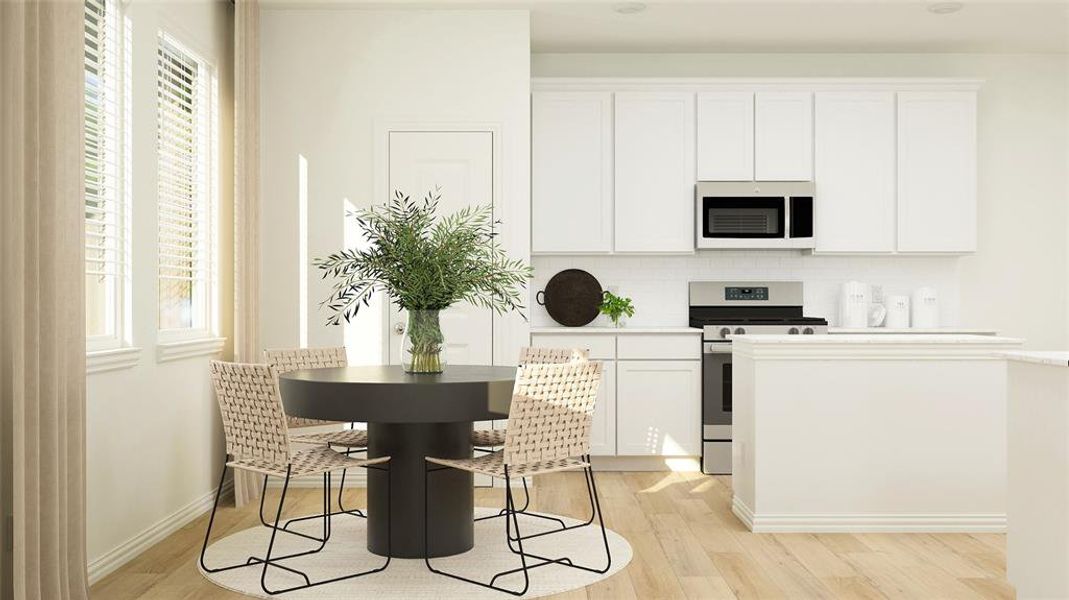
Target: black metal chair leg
327,514
510,506
563,527
596,503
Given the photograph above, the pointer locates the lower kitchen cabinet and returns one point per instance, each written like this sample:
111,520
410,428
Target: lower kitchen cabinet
603,429
658,407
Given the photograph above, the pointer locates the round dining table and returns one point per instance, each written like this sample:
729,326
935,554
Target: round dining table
409,416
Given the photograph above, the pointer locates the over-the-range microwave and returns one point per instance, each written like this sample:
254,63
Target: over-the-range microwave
754,214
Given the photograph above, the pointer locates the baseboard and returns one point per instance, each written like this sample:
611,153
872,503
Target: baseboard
131,548
868,523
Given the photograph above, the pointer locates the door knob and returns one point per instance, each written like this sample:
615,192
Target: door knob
399,328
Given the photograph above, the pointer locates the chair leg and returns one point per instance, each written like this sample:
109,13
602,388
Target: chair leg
327,514
596,504
564,527
510,521
356,512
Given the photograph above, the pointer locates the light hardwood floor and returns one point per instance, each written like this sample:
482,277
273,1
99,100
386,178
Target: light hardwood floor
687,544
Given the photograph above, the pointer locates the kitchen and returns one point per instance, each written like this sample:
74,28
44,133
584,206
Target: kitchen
807,183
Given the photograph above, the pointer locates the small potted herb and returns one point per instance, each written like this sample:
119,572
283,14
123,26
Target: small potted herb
616,307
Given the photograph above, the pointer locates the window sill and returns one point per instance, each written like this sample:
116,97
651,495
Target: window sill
169,351
100,361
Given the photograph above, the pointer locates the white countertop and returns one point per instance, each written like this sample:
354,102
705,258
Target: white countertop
615,330
1043,357
911,331
875,338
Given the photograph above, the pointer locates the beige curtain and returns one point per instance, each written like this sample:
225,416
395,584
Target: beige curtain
42,278
246,204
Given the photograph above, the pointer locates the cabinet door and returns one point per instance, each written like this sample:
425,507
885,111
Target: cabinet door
603,430
855,171
658,407
571,172
725,136
937,171
654,182
783,136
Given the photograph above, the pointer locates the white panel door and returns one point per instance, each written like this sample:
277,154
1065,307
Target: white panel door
603,429
658,407
783,136
571,172
725,136
855,171
654,172
937,171
461,164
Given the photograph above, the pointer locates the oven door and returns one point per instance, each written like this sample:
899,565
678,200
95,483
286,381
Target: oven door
716,407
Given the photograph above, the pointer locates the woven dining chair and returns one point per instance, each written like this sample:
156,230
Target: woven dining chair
489,440
257,440
548,431
352,439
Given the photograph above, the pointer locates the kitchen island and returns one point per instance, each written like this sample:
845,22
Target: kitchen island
870,432
1037,540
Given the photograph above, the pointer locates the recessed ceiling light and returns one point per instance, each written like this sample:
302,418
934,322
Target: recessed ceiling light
945,8
628,8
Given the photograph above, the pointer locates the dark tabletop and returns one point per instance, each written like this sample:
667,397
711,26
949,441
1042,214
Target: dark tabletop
387,394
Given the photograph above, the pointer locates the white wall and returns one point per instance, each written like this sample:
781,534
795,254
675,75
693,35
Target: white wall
330,77
154,446
1016,282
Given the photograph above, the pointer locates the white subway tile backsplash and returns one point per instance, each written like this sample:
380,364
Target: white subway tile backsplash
658,284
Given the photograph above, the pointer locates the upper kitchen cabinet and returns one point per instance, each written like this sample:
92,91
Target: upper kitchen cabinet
855,171
783,136
571,172
726,136
654,172
937,171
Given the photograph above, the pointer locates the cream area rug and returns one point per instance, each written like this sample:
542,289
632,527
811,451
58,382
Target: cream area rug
346,552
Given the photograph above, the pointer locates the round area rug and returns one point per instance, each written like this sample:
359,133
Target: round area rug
346,552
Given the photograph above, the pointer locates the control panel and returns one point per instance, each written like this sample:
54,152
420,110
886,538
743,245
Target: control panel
746,293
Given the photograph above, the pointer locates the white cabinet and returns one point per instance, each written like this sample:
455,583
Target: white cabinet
726,136
783,136
937,171
658,407
571,172
654,172
603,429
855,171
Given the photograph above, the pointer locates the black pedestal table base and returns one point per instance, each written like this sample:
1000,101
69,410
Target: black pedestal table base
451,524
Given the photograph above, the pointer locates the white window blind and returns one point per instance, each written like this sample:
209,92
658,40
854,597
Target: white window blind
105,225
185,124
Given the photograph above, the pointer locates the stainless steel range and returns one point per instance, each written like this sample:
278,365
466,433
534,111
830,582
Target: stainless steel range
723,309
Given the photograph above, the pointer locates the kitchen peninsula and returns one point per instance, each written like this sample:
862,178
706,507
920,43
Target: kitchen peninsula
870,432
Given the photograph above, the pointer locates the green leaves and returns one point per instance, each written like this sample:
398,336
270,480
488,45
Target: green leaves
615,307
424,262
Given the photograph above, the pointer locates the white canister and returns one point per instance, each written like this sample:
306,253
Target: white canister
897,312
925,309
854,305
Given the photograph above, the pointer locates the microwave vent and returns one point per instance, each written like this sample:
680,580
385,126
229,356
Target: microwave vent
743,223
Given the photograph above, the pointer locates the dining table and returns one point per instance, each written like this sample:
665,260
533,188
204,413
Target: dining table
409,416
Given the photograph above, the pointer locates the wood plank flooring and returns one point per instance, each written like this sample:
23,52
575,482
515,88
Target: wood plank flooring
687,544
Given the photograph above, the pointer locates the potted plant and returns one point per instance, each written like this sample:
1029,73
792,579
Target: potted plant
425,263
616,307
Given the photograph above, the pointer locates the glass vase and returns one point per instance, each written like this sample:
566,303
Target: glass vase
424,344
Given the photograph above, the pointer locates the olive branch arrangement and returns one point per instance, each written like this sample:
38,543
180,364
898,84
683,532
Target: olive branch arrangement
423,261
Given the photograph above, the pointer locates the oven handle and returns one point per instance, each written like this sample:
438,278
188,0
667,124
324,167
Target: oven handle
716,348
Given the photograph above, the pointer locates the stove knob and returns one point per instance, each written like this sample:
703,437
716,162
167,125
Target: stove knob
808,331
792,331
725,332
740,331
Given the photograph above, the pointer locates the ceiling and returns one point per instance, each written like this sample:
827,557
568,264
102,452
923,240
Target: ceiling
1005,26
757,26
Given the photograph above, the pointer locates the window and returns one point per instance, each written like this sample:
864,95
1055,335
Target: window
106,141
186,154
